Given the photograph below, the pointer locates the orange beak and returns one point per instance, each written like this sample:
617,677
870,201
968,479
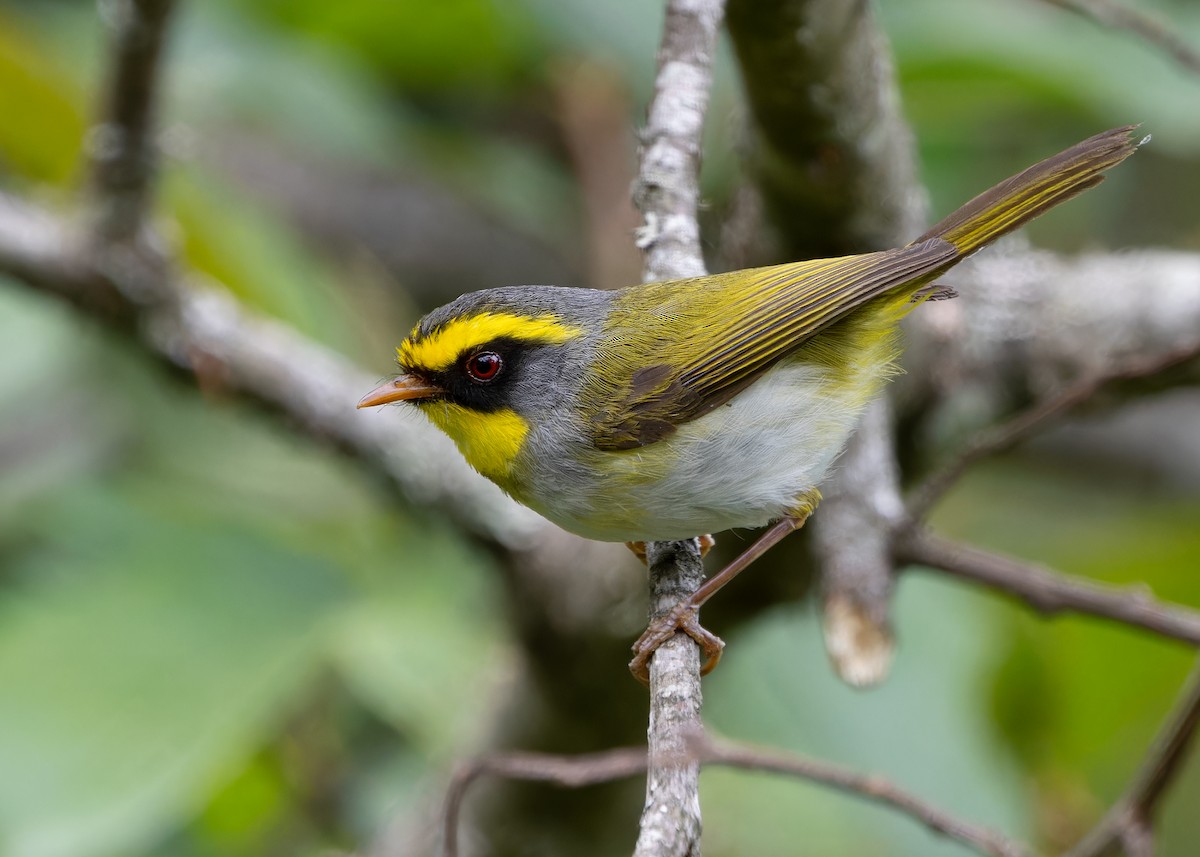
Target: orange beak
406,388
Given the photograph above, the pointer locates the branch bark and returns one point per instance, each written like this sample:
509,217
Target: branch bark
836,163
868,786
592,768
667,193
1110,14
122,148
1142,372
1047,591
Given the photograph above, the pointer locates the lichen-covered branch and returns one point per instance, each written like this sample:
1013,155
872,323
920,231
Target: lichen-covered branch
592,768
833,154
1030,322
836,164
667,194
861,507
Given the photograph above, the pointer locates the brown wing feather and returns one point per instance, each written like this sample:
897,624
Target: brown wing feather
736,326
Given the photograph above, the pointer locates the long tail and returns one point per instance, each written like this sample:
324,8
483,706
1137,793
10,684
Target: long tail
1026,195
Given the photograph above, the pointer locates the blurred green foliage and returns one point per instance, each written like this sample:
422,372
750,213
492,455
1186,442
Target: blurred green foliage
216,639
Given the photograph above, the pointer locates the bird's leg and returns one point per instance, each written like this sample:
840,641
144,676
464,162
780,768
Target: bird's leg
639,548
683,616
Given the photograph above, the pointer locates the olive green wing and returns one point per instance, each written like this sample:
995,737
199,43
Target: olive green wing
672,352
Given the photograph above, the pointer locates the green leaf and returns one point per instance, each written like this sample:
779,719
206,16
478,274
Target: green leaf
140,667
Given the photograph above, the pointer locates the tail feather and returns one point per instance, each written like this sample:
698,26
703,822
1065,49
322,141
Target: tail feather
1028,194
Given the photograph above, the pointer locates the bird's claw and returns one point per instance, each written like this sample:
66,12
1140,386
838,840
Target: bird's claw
682,618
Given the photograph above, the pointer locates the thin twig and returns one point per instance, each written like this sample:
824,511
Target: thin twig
1110,14
594,768
1005,436
667,194
1130,820
1047,591
566,771
122,148
869,786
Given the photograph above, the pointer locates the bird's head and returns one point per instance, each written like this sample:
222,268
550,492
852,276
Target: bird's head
486,367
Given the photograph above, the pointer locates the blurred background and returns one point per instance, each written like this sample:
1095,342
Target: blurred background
218,638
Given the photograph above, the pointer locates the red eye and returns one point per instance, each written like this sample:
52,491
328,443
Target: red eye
484,366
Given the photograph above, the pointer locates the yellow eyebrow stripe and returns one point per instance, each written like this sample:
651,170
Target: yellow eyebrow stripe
443,346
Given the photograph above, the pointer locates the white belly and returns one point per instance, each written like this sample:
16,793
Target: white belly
742,465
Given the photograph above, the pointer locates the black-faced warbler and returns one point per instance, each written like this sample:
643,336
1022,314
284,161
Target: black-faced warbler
673,409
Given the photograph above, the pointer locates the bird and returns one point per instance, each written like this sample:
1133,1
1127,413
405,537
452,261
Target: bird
670,410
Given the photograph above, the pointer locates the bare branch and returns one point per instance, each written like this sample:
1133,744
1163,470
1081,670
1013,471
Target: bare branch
1005,436
837,166
1110,14
122,148
868,786
1047,591
566,771
1029,323
1130,821
667,193
593,768
670,825
861,506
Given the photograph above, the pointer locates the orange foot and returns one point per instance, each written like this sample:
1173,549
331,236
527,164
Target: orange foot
639,548
682,618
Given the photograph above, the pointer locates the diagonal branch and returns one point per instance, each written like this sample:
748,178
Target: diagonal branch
1132,816
667,193
1110,14
1047,591
593,768
868,786
567,771
1005,436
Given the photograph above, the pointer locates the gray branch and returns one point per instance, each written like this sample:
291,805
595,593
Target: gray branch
837,166
1028,323
667,194
1047,591
1106,13
853,540
592,768
870,787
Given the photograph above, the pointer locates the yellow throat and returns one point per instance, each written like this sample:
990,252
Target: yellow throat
489,441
